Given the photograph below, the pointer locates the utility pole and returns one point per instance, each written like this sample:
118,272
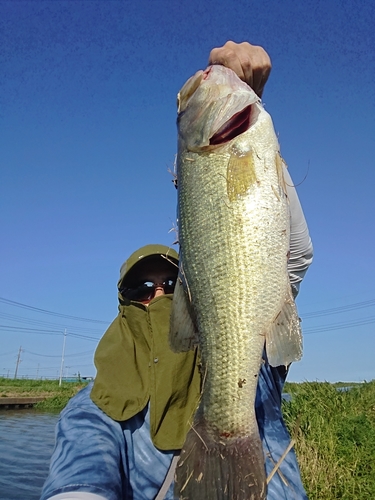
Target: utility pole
18,361
62,359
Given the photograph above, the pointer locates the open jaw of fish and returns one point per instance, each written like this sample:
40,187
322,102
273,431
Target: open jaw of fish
233,296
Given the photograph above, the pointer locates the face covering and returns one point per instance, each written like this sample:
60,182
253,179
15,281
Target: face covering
136,366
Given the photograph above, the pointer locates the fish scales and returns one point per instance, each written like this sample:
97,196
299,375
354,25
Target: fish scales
235,240
233,221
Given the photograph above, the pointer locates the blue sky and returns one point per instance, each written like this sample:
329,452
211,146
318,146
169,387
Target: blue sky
87,116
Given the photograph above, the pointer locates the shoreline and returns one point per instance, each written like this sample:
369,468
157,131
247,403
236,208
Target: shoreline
55,397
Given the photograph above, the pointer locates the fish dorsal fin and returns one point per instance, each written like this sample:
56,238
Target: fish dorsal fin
183,332
284,340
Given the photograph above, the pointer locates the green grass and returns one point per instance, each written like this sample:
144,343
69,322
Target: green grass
335,439
56,396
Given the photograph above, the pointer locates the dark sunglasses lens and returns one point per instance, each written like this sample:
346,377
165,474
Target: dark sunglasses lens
169,285
140,293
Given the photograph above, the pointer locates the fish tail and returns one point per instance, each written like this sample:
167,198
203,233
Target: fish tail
212,467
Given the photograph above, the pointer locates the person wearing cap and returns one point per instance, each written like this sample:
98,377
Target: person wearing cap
120,437
117,437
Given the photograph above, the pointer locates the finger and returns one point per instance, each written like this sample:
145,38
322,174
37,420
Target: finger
260,81
256,65
227,56
250,62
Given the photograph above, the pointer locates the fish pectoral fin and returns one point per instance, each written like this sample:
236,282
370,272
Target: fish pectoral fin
183,334
284,340
240,175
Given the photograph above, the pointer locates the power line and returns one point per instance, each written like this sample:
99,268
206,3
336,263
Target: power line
51,313
336,310
31,330
59,356
306,316
38,331
32,321
313,314
339,326
79,336
6,353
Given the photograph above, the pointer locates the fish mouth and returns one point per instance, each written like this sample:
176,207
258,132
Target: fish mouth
236,125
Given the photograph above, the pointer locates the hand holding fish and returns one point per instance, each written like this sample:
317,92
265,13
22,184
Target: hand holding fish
250,62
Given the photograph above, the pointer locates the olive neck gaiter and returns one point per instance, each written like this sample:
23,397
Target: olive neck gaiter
135,365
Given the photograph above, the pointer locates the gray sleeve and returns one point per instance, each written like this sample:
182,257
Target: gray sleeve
301,249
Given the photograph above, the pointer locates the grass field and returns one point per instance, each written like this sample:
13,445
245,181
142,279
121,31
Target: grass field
334,431
335,439
56,396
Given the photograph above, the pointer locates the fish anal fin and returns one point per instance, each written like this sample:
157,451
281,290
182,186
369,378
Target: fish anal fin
284,339
182,333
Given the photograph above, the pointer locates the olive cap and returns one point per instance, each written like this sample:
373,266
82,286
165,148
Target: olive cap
146,251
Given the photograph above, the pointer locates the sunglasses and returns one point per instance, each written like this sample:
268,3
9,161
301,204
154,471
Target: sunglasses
145,291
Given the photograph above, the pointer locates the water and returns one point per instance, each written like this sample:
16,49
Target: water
286,397
26,445
345,389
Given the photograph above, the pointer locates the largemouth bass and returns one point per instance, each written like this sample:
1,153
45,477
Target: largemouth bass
233,296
